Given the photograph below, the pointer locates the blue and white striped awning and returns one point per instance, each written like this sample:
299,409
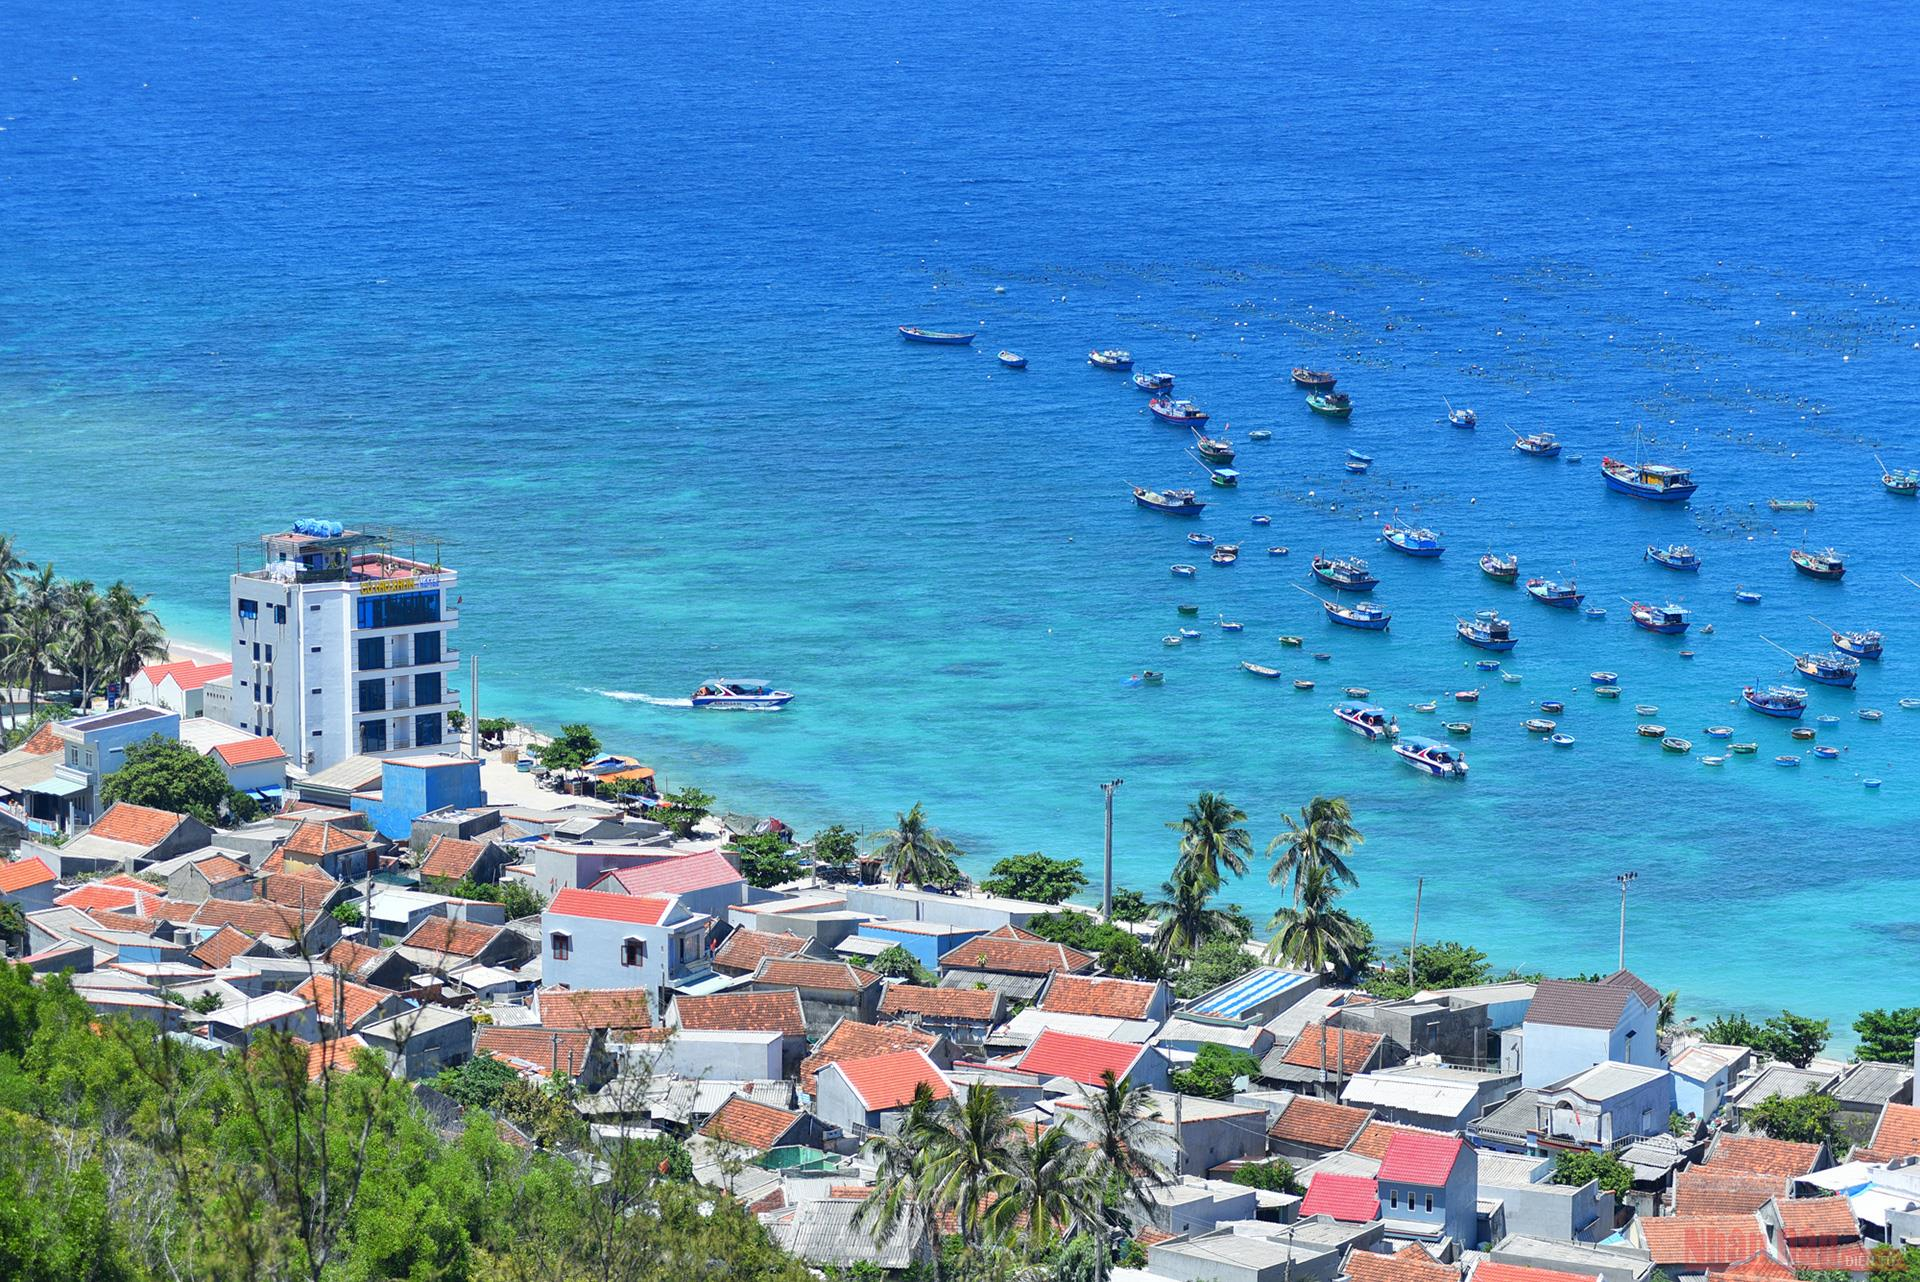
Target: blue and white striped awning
1233,1000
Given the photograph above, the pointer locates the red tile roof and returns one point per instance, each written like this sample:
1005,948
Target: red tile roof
1495,1271
450,857
1703,1240
246,752
452,938
1897,1134
1318,1124
804,972
195,676
24,874
1705,1190
1351,1199
1082,1059
1098,995
1822,1233
352,957
1759,1267
673,876
334,1055
111,898
636,910
136,825
981,1005
316,839
549,1049
595,1008
749,1122
155,673
220,948
339,1000
1415,1157
1374,1138
851,1039
219,868
302,889
1343,1050
42,742
745,949
775,1012
256,917
1758,1154
888,1081
1410,1263
1010,956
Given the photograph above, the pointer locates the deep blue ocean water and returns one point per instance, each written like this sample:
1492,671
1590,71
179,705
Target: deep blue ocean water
605,296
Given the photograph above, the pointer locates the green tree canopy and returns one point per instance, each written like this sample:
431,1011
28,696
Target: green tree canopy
1793,1038
914,853
574,747
835,847
1130,905
1037,877
168,775
1213,1071
1576,1166
1807,1118
1887,1034
895,962
1219,960
1276,1176
766,859
1444,963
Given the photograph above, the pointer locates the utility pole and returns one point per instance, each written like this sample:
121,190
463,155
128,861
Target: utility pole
1419,885
1625,879
1106,895
473,704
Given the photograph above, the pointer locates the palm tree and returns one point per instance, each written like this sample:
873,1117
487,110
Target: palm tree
1322,837
969,1159
1122,1117
84,646
27,645
1314,935
10,567
897,1198
1186,919
1211,837
911,851
1054,1185
135,637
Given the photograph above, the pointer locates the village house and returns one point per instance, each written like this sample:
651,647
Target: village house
1010,961
1572,1025
705,881
1090,1060
1702,1075
447,861
850,1039
864,1096
830,991
744,949
591,939
1187,1134
1427,1095
212,875
769,1012
178,687
1319,1060
1305,1127
92,748
750,1124
1430,1188
27,884
1518,1195
964,1016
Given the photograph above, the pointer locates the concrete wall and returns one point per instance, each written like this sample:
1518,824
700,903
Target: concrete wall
926,947
835,1103
409,790
1455,1206
721,1056
596,954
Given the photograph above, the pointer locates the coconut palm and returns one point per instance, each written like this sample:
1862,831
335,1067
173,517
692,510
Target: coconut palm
1054,1186
968,1159
27,646
11,566
1322,837
913,852
1313,934
1123,1119
84,647
897,1200
1211,838
135,637
1186,918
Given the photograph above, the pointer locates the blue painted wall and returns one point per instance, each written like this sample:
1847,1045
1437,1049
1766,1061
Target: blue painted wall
408,791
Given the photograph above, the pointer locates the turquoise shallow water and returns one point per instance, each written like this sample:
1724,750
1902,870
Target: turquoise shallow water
608,301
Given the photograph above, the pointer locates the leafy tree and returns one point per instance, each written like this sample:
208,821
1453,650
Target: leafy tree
478,1083
1123,956
1213,1071
168,775
1036,877
913,852
1212,839
521,901
1734,1030
347,913
766,860
1130,905
895,962
575,746
1807,1118
13,925
1576,1166
456,721
835,847
1276,1176
1793,1038
205,1004
1120,951
1187,919
969,1154
1315,935
1442,964
544,1110
1887,1034
682,811
1320,840
1218,961
26,729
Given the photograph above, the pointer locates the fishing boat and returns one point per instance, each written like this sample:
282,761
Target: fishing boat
1356,466
1458,727
1170,640
1870,783
1357,692
1790,505
1187,609
1788,702
1561,740
1183,413
1675,556
1561,596
1827,719
1829,669
1826,752
1014,360
1293,641
735,694
937,337
1302,683
1746,596
1868,714
1537,444
1803,733
1607,692
1645,709
1786,759
1277,550
1486,630
1224,477
1466,696
1552,705
1713,761
1441,760
1263,520
1229,625
1538,725
1367,720
1674,743
1321,656
1200,540
1111,358
1414,541
1363,615
1504,568
1355,456
1822,564
1190,634
1213,449
1259,434
1650,730
1667,620
1152,678
1902,481
1462,417
1428,706
1653,481
1172,502
1511,678
1345,574
1863,644
1153,382
1719,732
1336,404
1604,678
1259,669
1743,749
1183,571
1487,665
1595,612
1318,379
1910,705
1225,554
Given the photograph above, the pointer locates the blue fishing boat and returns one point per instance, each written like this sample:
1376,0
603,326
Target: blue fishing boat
1200,540
1113,358
1345,573
1536,444
1224,477
1604,678
1183,413
1183,571
1653,481
1355,456
1668,620
1462,417
1789,702
736,694
1441,760
1822,564
1829,669
1595,612
1486,630
1561,596
1355,466
1746,596
1259,434
1364,615
1413,540
1367,720
1013,360
1152,382
937,337
1263,520
1675,556
1333,404
1174,502
1864,644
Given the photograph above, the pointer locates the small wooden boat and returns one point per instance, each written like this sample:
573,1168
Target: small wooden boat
1366,720
1466,696
1713,761
1263,520
1719,732
1645,709
1153,382
1824,563
1487,665
1862,644
1827,719
1441,760
1183,571
1826,752
1187,609
1321,656
1675,744
1172,502
1225,556
1259,669
1318,379
1910,705
1344,574
1803,733
1869,714
1180,413
1902,481
1503,568
1486,630
1790,505
1462,417
1607,692
1649,730
1561,596
1356,466
1458,727
1364,616
1199,539
1277,550
1229,625
1552,705
1213,449
1538,725
1153,678
1355,456
1013,360
1291,641
1786,759
1412,540
1870,783
1652,481
1357,692
1511,678
1259,434
1667,620
1675,556
1743,749
1561,740
1302,684
1604,678
1170,640
1224,477
937,337
1746,596
1788,702
1537,444
1113,358
1333,404
1428,706
1595,612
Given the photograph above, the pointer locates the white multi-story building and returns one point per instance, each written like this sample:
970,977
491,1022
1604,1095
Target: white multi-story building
341,646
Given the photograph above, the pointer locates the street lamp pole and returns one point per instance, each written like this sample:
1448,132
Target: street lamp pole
1625,879
1106,894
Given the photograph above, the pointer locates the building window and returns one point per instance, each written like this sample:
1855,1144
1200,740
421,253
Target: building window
1429,1201
373,736
249,609
426,647
633,952
399,609
373,695
269,654
426,730
268,696
256,652
314,608
280,614
426,689
316,690
562,945
1393,1198
373,654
